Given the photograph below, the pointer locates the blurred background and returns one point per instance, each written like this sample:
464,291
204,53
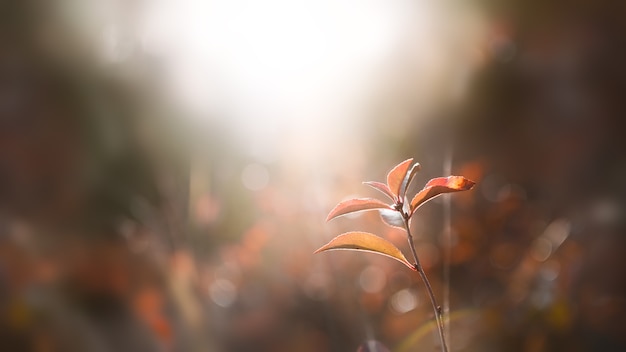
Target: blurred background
166,168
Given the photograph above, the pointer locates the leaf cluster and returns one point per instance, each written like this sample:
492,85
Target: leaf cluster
398,213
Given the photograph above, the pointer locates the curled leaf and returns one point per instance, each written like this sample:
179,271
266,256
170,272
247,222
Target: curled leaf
379,186
392,218
408,178
354,205
396,176
364,241
440,185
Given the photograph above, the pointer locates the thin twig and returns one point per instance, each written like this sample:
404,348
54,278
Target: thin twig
420,270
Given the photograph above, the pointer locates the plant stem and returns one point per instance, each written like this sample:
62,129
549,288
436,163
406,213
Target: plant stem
433,301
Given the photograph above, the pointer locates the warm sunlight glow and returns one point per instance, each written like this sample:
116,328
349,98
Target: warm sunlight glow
281,67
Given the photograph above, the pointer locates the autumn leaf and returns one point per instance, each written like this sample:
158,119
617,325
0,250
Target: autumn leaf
354,205
438,186
396,176
408,178
383,188
364,241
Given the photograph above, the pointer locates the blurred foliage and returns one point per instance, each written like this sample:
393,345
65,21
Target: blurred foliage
124,227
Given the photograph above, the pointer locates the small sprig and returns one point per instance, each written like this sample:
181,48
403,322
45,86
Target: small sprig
396,214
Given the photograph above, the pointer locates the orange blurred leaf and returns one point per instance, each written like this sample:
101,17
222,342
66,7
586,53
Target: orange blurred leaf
396,176
440,185
364,241
380,187
354,205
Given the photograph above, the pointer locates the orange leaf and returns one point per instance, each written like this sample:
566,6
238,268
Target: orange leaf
396,176
364,241
408,178
438,186
354,205
380,187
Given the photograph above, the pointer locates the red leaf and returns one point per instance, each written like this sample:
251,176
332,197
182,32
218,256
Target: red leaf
408,178
380,187
354,205
364,241
438,186
396,176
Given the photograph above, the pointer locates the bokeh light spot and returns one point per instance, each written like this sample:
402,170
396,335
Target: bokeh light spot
372,279
223,292
404,301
